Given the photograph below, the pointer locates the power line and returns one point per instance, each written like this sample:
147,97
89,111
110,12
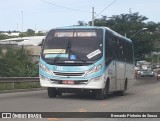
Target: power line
64,7
106,8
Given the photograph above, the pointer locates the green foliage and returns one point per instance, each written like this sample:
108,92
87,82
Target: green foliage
11,86
145,42
3,36
30,32
40,34
24,34
17,62
81,23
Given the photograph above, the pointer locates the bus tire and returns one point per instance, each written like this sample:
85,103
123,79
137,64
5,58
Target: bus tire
101,94
52,92
59,93
123,92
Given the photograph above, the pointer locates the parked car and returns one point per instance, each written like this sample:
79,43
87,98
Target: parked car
147,73
158,74
157,66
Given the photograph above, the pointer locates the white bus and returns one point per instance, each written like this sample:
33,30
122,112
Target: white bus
86,59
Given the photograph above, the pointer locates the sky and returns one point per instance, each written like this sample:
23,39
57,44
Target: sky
21,15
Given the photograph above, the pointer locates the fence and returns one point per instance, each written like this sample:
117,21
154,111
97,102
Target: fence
10,83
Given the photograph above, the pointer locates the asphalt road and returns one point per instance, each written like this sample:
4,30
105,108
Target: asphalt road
144,96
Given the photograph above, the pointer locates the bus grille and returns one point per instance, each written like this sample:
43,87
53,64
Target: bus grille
75,82
72,74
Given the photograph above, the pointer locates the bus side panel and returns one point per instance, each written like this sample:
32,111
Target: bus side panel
120,75
111,74
130,75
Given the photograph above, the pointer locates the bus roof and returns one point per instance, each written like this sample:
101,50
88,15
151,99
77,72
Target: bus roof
80,27
96,27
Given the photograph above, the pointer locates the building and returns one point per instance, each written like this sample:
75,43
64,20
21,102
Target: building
11,33
29,43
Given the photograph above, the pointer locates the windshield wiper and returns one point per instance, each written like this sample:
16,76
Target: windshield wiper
68,48
58,54
71,52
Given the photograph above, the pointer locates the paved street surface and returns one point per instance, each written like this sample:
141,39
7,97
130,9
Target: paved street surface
144,96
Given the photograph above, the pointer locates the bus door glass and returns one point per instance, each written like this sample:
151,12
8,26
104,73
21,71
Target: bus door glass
110,58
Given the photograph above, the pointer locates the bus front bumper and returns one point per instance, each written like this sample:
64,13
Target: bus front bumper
94,83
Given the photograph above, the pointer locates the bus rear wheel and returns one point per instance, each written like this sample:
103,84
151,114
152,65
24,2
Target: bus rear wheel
52,92
123,92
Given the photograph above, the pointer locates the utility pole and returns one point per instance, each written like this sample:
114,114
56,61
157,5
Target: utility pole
158,58
17,27
92,16
22,20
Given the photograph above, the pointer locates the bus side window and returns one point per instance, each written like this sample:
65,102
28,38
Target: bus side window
131,51
118,49
121,50
108,45
126,49
114,48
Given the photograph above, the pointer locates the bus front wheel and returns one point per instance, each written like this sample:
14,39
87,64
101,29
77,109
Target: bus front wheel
101,94
52,92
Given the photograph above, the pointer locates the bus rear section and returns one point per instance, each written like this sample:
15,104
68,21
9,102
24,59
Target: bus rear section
73,60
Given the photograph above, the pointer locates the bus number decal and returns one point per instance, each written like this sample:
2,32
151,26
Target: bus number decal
59,68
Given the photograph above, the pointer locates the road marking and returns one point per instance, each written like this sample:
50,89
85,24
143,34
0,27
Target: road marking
52,119
104,104
82,110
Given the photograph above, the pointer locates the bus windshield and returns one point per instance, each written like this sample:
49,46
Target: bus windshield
73,46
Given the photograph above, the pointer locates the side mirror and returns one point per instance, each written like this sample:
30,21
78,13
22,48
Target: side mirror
108,60
41,42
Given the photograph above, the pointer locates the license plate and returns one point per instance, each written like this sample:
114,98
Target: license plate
68,82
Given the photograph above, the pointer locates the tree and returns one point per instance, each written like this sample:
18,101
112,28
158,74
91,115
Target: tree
30,32
40,33
23,34
82,23
3,36
128,24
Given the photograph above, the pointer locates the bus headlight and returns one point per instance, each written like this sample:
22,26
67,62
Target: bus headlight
96,79
44,68
94,70
44,78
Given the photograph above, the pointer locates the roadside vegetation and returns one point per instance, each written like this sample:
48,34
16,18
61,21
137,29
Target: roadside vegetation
13,86
17,62
145,43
